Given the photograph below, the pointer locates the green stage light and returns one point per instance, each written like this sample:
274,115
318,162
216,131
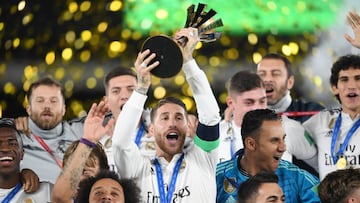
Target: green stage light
239,16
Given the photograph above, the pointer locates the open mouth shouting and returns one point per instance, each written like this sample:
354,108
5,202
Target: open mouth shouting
269,89
121,106
6,160
277,158
172,137
352,95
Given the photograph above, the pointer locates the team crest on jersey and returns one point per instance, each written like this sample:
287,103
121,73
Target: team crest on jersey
183,165
150,146
331,126
228,187
331,123
28,200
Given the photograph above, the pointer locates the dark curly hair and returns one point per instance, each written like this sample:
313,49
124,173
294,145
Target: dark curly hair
343,63
131,190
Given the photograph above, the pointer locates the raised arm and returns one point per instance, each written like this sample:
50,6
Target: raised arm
206,104
354,21
125,149
67,183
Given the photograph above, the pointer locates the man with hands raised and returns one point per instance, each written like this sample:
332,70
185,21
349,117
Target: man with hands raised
174,174
72,172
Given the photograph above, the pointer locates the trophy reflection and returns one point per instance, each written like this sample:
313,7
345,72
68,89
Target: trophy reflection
167,50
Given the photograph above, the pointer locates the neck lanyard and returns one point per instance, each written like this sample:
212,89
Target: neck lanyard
347,138
160,180
47,148
139,134
12,193
231,148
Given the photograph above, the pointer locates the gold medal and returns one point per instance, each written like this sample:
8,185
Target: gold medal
341,163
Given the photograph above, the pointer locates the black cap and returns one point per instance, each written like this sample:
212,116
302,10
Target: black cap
168,54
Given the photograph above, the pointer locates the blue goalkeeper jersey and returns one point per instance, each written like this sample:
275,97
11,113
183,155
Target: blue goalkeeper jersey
298,185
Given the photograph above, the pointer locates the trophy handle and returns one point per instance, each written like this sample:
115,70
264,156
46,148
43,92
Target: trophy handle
199,11
168,50
205,18
197,19
190,15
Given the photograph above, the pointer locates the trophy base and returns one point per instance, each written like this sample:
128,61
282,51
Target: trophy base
168,54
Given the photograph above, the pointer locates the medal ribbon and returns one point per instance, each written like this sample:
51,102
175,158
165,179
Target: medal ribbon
299,113
12,193
231,137
160,180
230,132
336,135
47,148
139,134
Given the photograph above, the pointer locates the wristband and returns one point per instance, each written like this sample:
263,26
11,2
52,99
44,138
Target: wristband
142,90
87,143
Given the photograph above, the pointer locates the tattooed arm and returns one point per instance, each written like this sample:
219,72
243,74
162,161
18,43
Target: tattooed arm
73,172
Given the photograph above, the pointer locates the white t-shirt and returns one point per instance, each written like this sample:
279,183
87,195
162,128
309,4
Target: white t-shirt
320,128
43,195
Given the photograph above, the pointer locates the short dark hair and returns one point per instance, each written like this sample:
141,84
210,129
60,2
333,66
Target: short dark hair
282,58
115,72
167,100
131,190
46,81
10,123
338,185
244,81
343,63
250,188
98,152
253,121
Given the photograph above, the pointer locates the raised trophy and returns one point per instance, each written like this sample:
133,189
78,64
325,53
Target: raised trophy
167,50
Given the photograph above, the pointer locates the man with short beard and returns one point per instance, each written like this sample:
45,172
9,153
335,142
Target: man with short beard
187,174
50,135
276,72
